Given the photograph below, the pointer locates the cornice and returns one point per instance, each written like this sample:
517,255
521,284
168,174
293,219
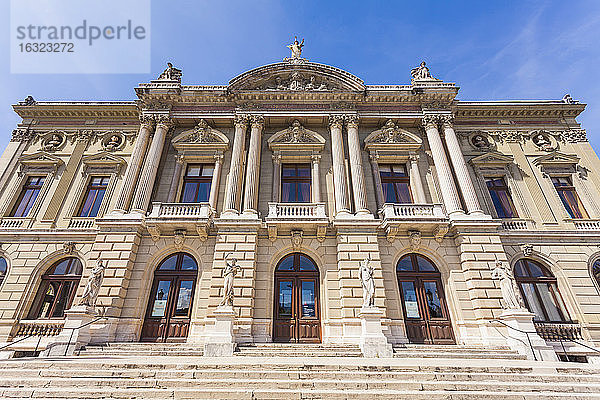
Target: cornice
78,109
517,108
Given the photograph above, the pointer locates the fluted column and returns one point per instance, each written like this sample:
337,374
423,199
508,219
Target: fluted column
135,164
339,171
356,167
176,178
373,158
232,189
253,167
460,167
416,183
216,179
146,183
316,178
275,193
447,187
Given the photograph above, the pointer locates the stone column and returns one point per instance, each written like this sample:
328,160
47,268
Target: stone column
416,184
146,183
176,178
135,164
275,195
253,166
233,179
447,187
316,178
216,179
373,157
356,167
339,170
460,167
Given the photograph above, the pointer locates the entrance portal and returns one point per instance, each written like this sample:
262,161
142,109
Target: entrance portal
296,316
171,297
425,313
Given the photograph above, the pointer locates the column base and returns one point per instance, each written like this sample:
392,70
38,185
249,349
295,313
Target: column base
373,342
364,214
249,214
344,214
230,213
219,341
530,343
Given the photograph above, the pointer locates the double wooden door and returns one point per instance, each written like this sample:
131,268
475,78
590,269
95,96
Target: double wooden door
425,313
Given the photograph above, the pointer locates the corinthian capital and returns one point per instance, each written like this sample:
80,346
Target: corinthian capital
336,121
447,120
21,135
241,120
351,120
430,120
164,120
257,121
146,120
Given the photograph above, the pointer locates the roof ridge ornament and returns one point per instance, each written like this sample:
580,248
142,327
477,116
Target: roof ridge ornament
170,74
421,73
296,49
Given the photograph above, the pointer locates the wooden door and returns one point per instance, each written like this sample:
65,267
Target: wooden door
296,317
171,298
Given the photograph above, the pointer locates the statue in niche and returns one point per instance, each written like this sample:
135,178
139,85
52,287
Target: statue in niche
229,274
296,48
113,143
170,74
368,283
421,73
480,142
90,293
511,295
542,141
53,142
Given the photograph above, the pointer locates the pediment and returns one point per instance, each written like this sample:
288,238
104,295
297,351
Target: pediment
296,137
202,137
40,160
294,76
392,137
556,159
492,159
103,161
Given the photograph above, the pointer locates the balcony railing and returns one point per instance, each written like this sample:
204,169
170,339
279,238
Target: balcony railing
554,332
517,224
297,211
180,210
81,223
39,327
412,211
12,223
587,224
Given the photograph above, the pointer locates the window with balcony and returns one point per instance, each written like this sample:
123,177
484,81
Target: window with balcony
395,183
28,195
566,191
540,291
295,183
57,290
501,198
93,196
3,269
196,183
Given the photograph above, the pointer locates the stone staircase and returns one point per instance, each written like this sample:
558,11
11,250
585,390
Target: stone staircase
284,371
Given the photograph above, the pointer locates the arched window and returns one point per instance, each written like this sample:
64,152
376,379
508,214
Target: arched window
596,272
540,291
3,269
57,290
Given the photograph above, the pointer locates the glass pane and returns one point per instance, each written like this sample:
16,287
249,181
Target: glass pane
535,270
203,192
159,306
287,171
169,264
303,192
184,298
532,301
520,270
411,307
287,264
207,170
308,299
433,300
304,170
75,267
399,170
306,264
405,264
3,268
194,170
403,191
288,192
61,267
385,171
425,265
549,305
189,192
188,263
87,204
389,193
48,299
97,203
285,299
63,298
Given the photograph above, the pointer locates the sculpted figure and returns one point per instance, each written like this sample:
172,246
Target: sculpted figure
229,273
90,293
296,48
170,74
480,141
368,284
53,143
511,295
113,143
542,142
421,72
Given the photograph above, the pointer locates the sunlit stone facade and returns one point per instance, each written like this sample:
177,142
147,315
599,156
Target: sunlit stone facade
300,171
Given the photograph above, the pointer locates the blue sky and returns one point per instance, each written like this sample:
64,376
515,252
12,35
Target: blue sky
493,50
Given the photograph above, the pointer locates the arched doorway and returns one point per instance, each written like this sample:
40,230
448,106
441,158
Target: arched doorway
170,304
296,316
426,315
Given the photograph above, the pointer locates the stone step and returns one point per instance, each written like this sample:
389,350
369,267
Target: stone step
480,356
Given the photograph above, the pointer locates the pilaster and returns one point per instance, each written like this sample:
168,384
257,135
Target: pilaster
316,178
216,180
176,177
416,183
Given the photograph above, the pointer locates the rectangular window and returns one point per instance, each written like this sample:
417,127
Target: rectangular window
396,184
93,196
28,195
568,196
501,198
196,183
295,183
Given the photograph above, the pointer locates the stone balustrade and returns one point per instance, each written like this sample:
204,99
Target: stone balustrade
180,210
587,224
12,223
402,218
81,223
167,218
554,332
517,224
412,211
297,211
39,327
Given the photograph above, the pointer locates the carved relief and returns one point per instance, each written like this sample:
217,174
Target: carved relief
297,81
53,141
113,141
179,238
543,141
296,137
415,240
296,237
69,247
480,141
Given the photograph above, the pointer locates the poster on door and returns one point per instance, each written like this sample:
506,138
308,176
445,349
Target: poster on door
159,308
412,309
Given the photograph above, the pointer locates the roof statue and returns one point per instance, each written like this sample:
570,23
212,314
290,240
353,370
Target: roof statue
296,48
421,73
170,74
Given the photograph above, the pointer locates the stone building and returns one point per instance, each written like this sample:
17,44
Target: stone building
301,171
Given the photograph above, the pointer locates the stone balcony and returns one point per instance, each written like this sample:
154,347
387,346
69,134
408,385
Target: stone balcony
168,218
297,216
587,224
13,223
424,218
515,224
557,331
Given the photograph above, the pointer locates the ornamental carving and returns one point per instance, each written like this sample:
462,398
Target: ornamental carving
296,237
298,81
202,133
201,138
22,135
53,141
336,121
171,74
543,141
421,73
392,138
390,133
574,136
480,141
296,137
113,141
